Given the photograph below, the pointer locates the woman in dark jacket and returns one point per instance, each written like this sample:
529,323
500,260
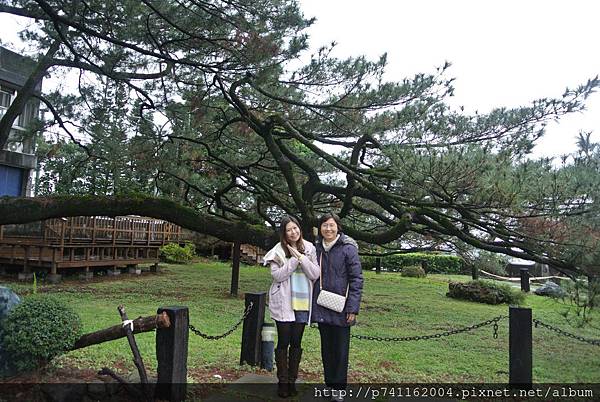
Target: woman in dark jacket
340,273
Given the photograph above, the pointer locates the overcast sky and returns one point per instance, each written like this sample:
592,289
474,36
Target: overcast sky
503,53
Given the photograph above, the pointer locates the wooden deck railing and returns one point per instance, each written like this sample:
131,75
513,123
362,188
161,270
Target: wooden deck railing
85,229
86,242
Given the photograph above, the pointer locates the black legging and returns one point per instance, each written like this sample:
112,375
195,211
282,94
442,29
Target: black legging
289,334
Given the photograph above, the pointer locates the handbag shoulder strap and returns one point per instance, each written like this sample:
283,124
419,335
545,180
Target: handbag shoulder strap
321,275
321,272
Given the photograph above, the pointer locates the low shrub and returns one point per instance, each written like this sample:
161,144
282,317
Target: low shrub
485,292
413,272
37,330
431,263
175,254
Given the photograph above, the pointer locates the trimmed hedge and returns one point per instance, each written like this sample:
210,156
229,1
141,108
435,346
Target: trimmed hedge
37,330
431,263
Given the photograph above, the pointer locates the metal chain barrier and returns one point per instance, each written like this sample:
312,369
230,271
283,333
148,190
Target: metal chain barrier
595,342
215,337
493,321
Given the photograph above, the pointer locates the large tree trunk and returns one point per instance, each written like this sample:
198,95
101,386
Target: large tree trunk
23,210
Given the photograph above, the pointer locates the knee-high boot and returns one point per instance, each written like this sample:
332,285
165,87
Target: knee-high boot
281,360
294,364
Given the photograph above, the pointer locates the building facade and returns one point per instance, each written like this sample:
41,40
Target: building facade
17,157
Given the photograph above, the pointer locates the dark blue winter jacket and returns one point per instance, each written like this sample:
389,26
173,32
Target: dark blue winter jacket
340,268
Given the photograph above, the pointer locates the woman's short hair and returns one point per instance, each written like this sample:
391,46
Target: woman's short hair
327,216
283,238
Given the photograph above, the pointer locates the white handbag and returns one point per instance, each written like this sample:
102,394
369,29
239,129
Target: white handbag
330,300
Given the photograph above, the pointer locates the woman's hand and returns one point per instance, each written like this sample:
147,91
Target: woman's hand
294,252
350,318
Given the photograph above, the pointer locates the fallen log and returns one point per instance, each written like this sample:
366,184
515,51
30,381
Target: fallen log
141,324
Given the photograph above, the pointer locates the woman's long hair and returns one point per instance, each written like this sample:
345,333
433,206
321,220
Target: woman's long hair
283,238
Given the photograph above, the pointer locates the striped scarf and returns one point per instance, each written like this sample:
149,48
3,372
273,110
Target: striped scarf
300,290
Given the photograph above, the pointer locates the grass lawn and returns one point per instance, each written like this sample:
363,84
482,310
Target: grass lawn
392,306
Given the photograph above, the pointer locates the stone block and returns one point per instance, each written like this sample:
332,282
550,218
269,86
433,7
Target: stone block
54,278
86,276
25,276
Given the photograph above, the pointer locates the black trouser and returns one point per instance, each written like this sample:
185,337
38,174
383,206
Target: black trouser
335,346
289,333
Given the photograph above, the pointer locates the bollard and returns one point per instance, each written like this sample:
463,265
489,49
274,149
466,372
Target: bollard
520,347
171,354
251,330
268,345
524,280
235,268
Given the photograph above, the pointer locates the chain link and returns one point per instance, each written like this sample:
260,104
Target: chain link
595,342
215,337
493,321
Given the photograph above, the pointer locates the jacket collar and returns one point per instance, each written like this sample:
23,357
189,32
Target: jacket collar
343,239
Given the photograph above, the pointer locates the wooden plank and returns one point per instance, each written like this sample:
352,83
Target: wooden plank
114,231
62,239
148,232
94,222
26,260
105,262
70,226
32,262
53,264
44,231
142,324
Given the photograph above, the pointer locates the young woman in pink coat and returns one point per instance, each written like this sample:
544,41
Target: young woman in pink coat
294,269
